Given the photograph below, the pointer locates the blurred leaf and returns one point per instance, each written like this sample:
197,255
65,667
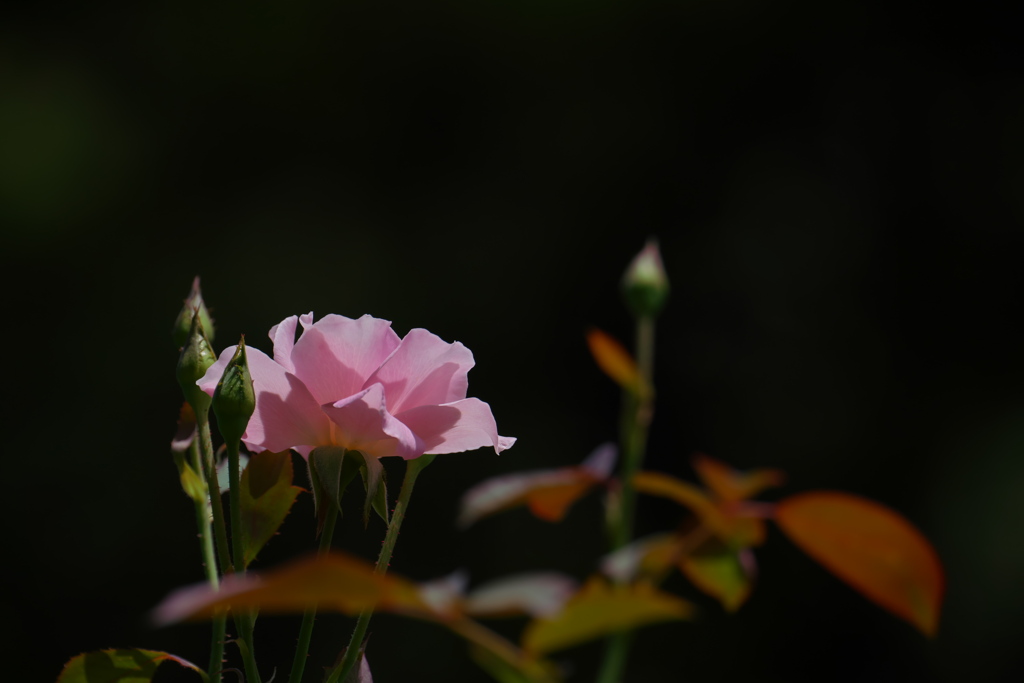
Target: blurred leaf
614,360
267,496
733,485
186,431
719,572
334,582
224,476
194,485
599,610
647,558
729,522
538,594
496,667
870,547
445,595
127,665
550,503
548,493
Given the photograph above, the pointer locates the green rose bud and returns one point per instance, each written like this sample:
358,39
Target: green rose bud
645,285
234,400
195,359
183,324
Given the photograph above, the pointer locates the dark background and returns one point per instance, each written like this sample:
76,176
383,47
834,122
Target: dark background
836,188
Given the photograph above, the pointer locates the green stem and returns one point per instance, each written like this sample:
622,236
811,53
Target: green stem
243,622
638,409
309,617
210,567
235,501
216,506
412,470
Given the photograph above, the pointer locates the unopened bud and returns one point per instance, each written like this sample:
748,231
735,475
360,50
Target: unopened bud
183,324
645,284
234,401
195,359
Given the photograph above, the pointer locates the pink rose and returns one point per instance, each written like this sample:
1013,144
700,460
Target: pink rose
354,383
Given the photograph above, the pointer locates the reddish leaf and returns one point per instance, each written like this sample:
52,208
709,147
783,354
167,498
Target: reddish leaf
550,503
733,485
599,610
126,665
548,493
334,582
870,547
614,360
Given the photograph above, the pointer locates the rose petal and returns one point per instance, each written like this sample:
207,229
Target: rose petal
286,415
424,370
336,355
457,426
283,336
362,423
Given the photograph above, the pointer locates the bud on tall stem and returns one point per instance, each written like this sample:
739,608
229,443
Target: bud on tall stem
645,285
183,324
196,357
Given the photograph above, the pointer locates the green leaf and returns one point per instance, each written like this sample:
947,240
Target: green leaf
330,473
599,610
376,488
266,498
127,665
719,572
191,482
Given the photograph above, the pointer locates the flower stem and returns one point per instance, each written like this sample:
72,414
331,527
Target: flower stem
412,470
216,506
638,410
210,567
243,622
309,617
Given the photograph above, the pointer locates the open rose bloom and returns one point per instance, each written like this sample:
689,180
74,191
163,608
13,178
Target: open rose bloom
356,384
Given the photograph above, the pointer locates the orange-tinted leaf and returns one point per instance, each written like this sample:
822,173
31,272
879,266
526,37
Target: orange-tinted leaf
732,485
126,665
599,610
684,493
548,493
727,522
550,503
870,547
614,360
720,573
334,582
